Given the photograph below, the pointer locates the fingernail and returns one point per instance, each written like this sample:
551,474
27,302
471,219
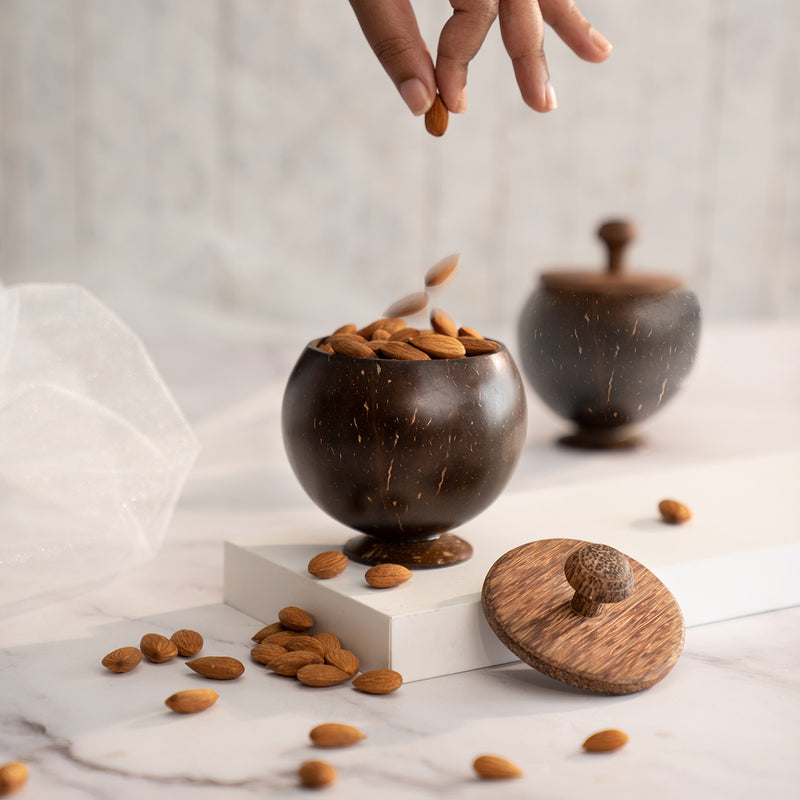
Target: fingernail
461,104
601,41
550,97
416,96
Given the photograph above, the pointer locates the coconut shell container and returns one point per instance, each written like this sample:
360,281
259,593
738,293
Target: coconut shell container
403,448
606,350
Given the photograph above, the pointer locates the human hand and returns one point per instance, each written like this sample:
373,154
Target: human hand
391,29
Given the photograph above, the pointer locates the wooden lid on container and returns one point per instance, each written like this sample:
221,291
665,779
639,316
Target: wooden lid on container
584,614
617,235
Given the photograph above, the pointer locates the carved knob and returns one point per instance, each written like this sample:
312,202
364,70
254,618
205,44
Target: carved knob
599,574
617,234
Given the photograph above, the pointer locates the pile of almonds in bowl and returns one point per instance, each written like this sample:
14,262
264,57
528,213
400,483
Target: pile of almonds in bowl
391,337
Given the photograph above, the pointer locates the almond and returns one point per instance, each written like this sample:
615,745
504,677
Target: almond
344,660
191,700
478,346
345,346
12,776
267,630
295,619
328,564
384,576
157,648
378,681
335,734
443,270
321,675
408,305
316,773
389,323
437,117
325,347
465,331
308,643
189,643
124,659
289,664
264,653
220,668
330,641
404,334
349,328
402,351
280,638
437,345
380,334
442,322
674,512
495,768
606,741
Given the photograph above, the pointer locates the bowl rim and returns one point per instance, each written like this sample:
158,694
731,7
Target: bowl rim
312,346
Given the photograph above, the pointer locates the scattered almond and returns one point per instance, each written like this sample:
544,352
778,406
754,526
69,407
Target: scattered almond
378,681
220,668
335,734
280,638
295,619
268,630
321,675
328,564
495,768
345,660
674,512
191,700
316,773
289,664
606,741
437,345
443,270
264,653
442,322
384,576
189,643
408,305
308,643
123,659
12,776
437,117
330,641
157,648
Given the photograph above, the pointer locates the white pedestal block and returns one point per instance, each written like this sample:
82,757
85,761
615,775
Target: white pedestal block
740,554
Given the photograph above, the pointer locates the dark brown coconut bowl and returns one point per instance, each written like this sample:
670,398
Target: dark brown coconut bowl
608,350
404,451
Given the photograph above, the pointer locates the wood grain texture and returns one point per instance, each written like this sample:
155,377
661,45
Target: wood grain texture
628,647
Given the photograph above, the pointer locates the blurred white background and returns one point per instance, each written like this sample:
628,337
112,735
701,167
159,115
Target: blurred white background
253,155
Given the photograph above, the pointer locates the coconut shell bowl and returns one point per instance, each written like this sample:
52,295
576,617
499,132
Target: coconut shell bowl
607,350
404,451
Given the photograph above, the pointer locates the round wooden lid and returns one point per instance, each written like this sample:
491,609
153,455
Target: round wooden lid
617,235
584,614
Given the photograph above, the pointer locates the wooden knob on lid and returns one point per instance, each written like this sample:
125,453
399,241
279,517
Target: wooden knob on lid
599,574
617,234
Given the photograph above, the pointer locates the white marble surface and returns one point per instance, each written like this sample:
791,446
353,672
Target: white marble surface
723,724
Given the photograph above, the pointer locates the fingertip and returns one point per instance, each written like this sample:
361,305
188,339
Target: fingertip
416,96
601,43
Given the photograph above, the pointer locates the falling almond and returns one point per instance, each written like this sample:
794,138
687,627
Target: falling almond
442,271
